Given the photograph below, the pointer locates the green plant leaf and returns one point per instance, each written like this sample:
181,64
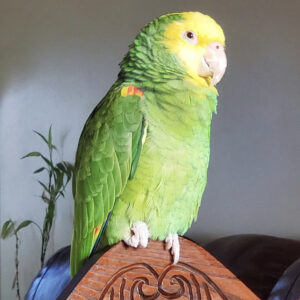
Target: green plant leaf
69,166
69,169
44,186
58,179
7,229
42,137
35,153
50,144
59,176
14,281
23,224
47,161
61,166
50,136
39,170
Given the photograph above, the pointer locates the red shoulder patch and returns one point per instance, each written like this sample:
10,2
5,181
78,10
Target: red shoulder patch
96,231
131,90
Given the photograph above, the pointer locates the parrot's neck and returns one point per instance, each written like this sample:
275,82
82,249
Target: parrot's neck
182,112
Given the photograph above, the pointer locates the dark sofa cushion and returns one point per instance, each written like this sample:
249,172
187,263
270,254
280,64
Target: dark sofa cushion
257,260
288,286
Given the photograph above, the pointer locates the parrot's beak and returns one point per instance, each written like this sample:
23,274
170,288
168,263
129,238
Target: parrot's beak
213,62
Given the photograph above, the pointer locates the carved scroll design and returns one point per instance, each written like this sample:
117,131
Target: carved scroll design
185,282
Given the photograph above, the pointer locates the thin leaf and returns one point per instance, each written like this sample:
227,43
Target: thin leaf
55,174
61,166
23,224
57,170
7,229
50,136
51,146
43,138
35,153
58,180
48,162
39,170
69,166
69,169
44,186
62,194
14,281
68,179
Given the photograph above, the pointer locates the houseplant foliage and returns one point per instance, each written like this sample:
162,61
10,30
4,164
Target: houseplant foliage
9,229
58,176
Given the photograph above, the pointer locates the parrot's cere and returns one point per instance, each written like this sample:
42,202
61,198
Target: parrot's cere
142,158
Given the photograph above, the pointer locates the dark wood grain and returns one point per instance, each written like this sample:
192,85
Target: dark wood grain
127,273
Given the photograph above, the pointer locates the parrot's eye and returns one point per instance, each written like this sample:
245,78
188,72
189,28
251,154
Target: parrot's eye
190,36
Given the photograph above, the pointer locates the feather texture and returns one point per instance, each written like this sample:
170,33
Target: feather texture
108,142
144,151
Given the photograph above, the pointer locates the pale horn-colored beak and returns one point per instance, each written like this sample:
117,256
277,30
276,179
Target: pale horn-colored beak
213,62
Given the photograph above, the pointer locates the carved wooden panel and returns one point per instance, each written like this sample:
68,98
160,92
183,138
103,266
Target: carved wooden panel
127,273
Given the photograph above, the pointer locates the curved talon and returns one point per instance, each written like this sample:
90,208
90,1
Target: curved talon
139,236
173,244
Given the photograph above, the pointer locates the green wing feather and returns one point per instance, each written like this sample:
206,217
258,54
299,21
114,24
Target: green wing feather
107,154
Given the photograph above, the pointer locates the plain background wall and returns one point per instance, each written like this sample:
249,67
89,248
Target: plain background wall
58,59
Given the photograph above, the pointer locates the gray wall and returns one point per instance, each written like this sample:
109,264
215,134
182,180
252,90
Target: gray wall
57,60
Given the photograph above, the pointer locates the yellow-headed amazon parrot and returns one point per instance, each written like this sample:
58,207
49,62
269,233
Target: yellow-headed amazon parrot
142,158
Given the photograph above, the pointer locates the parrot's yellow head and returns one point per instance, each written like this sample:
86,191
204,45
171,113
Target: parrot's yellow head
199,43
185,46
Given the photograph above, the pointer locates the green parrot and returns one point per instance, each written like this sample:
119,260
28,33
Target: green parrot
142,158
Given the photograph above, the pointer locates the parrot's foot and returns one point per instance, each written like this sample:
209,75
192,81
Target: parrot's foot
173,244
139,235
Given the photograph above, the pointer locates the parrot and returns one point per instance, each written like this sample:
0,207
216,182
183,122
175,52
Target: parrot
143,154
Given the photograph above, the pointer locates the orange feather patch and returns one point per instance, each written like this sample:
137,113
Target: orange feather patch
97,231
131,91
